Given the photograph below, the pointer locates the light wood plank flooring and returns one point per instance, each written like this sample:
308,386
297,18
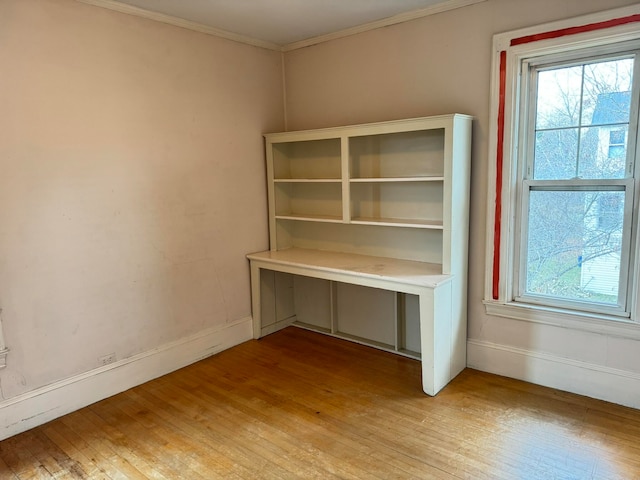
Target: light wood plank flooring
297,404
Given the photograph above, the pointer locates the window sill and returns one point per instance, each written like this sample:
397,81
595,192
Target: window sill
588,322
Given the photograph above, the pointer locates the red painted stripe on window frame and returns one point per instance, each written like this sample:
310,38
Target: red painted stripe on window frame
574,30
499,163
501,109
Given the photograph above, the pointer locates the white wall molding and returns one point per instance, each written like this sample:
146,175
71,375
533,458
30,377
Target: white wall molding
180,22
39,406
584,321
198,27
592,380
385,22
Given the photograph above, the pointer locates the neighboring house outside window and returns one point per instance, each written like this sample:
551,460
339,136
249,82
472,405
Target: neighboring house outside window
600,275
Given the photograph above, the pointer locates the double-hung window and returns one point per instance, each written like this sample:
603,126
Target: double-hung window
575,187
566,225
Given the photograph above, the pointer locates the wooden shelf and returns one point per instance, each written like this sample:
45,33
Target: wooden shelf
396,179
388,222
399,222
307,180
311,218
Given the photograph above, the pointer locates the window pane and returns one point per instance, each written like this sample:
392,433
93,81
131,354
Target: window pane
555,154
599,157
607,92
574,245
558,98
579,110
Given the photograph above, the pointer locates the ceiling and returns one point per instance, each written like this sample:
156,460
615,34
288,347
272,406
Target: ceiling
281,23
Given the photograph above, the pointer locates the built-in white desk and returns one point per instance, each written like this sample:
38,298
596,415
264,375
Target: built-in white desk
442,352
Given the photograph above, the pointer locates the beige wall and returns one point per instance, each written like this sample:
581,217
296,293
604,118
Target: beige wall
436,65
131,183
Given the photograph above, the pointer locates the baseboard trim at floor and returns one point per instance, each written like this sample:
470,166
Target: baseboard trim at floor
44,404
592,380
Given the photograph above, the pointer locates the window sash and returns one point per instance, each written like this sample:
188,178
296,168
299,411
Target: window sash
577,185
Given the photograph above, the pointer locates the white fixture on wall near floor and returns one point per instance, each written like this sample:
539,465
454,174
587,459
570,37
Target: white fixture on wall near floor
3,349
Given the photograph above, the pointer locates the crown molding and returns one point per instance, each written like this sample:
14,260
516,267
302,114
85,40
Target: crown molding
198,27
180,22
385,22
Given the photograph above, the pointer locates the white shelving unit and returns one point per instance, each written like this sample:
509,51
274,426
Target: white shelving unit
368,230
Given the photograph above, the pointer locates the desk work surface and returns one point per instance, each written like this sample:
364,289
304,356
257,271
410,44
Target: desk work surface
403,271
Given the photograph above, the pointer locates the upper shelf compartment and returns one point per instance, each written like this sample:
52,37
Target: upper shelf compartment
392,189
403,155
307,160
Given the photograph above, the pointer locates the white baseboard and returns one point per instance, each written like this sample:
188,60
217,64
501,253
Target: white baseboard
592,380
39,406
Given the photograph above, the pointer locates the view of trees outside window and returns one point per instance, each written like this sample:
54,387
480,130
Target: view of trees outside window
575,210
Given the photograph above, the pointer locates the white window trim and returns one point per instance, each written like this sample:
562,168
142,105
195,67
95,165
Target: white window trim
499,284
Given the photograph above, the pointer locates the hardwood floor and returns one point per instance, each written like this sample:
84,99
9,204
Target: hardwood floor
301,405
